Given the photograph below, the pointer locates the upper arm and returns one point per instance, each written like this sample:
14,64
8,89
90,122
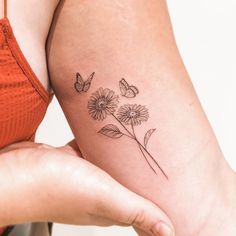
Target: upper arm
156,105
109,51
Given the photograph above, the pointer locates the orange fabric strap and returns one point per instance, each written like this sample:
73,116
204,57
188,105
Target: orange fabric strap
5,8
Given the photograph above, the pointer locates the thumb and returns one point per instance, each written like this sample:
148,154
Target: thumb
146,216
129,208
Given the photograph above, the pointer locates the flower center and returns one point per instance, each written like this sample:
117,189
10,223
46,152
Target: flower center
133,114
101,103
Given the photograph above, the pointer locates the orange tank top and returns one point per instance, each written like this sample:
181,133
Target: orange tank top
23,99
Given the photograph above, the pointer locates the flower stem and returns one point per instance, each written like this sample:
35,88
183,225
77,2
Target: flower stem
142,149
128,136
153,159
122,125
140,145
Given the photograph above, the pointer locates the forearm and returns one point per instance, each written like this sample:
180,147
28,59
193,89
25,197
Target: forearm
134,40
19,192
36,186
54,184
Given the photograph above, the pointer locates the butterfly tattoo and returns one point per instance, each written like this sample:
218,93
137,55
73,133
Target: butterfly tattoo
82,85
128,91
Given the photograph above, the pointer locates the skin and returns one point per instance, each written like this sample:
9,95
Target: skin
31,28
134,40
33,171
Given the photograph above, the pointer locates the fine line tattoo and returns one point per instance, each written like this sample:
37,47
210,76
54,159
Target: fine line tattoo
104,102
128,91
81,85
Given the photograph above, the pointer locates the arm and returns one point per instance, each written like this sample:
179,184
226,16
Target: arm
134,40
40,183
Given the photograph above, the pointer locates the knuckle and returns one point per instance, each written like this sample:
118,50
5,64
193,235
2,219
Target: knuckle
137,218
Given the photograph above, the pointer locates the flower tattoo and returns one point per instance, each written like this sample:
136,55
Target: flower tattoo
132,114
104,102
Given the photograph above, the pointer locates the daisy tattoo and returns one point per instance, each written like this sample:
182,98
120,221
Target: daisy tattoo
104,102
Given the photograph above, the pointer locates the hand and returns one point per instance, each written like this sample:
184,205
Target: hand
68,189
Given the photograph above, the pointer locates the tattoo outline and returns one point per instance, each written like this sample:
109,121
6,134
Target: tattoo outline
82,85
104,102
128,91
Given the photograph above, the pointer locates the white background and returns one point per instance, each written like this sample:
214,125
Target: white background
205,31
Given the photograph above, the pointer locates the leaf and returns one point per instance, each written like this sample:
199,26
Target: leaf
148,135
111,131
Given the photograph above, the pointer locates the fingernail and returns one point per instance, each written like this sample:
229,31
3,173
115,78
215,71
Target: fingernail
162,229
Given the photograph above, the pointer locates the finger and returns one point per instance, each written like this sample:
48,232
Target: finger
121,205
146,216
143,233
